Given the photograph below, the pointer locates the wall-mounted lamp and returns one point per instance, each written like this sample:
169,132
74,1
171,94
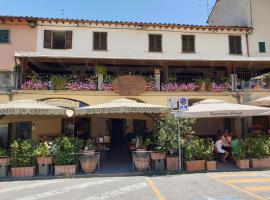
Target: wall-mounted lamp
140,27
76,23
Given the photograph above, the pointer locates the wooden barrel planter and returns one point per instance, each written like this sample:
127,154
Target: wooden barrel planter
195,165
44,160
141,161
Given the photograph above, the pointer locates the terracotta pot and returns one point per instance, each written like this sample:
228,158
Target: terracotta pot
211,165
88,152
202,86
242,164
44,160
260,163
88,163
141,149
22,171
141,161
158,155
172,163
195,165
64,169
4,161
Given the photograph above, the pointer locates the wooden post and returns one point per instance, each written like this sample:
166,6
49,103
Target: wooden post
165,69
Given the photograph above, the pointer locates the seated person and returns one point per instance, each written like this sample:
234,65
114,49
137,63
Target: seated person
219,149
227,142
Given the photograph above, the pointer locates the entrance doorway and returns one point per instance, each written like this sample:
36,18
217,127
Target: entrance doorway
117,134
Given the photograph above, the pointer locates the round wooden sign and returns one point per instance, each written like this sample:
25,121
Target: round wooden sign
129,85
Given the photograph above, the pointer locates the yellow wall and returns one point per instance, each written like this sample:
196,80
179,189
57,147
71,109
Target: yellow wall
50,127
4,98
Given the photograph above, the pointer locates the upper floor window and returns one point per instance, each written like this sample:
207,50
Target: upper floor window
235,45
155,43
188,43
262,47
4,36
57,39
100,41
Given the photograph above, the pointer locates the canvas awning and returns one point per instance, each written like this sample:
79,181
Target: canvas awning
120,106
30,107
213,108
265,101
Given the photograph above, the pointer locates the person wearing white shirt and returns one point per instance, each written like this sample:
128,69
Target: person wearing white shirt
219,149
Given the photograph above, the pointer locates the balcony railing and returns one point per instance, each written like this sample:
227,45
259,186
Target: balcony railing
175,83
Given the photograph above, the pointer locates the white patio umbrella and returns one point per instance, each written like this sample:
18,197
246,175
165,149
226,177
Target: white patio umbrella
265,101
213,108
120,106
30,107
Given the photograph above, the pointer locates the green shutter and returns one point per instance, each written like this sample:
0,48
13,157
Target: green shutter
262,48
4,36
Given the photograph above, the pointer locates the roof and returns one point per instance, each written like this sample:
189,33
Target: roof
122,23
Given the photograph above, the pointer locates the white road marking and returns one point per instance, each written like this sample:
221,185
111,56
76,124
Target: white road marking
32,185
67,189
114,193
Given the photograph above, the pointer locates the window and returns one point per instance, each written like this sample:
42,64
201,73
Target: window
100,41
188,44
235,45
57,39
4,36
155,43
262,47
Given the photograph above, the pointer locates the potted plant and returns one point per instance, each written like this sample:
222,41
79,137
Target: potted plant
58,82
240,154
258,149
266,79
141,158
42,152
101,72
4,162
65,149
88,159
204,84
194,155
22,160
208,154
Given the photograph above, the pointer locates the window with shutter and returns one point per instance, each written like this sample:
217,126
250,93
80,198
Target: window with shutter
262,47
47,39
100,41
155,43
188,44
4,36
68,39
235,45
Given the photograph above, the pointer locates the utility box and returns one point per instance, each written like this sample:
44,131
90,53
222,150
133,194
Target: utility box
44,169
159,165
3,171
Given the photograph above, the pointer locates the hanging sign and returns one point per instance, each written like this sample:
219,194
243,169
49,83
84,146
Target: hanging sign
183,103
172,103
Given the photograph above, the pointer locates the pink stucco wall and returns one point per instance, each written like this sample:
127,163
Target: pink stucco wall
23,38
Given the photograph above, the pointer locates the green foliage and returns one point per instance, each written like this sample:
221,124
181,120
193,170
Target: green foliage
3,152
66,148
166,138
257,146
208,152
195,149
108,78
266,77
172,78
22,153
102,70
89,146
42,149
240,152
58,82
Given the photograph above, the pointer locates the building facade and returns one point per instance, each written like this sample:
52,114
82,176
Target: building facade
86,57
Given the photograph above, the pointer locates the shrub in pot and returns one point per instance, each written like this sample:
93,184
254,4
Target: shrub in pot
42,152
4,162
88,159
204,84
258,150
22,159
194,154
141,158
208,155
58,82
266,79
65,150
240,153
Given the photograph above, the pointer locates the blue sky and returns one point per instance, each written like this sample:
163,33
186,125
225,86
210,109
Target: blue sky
164,11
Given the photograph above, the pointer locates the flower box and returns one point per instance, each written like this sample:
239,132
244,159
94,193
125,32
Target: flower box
172,163
242,164
211,165
64,170
44,160
22,171
158,155
260,163
195,165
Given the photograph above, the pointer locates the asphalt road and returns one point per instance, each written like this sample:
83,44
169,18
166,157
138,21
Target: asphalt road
208,186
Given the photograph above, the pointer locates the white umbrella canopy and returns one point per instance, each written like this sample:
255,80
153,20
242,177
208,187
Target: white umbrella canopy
213,108
121,106
30,107
265,101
